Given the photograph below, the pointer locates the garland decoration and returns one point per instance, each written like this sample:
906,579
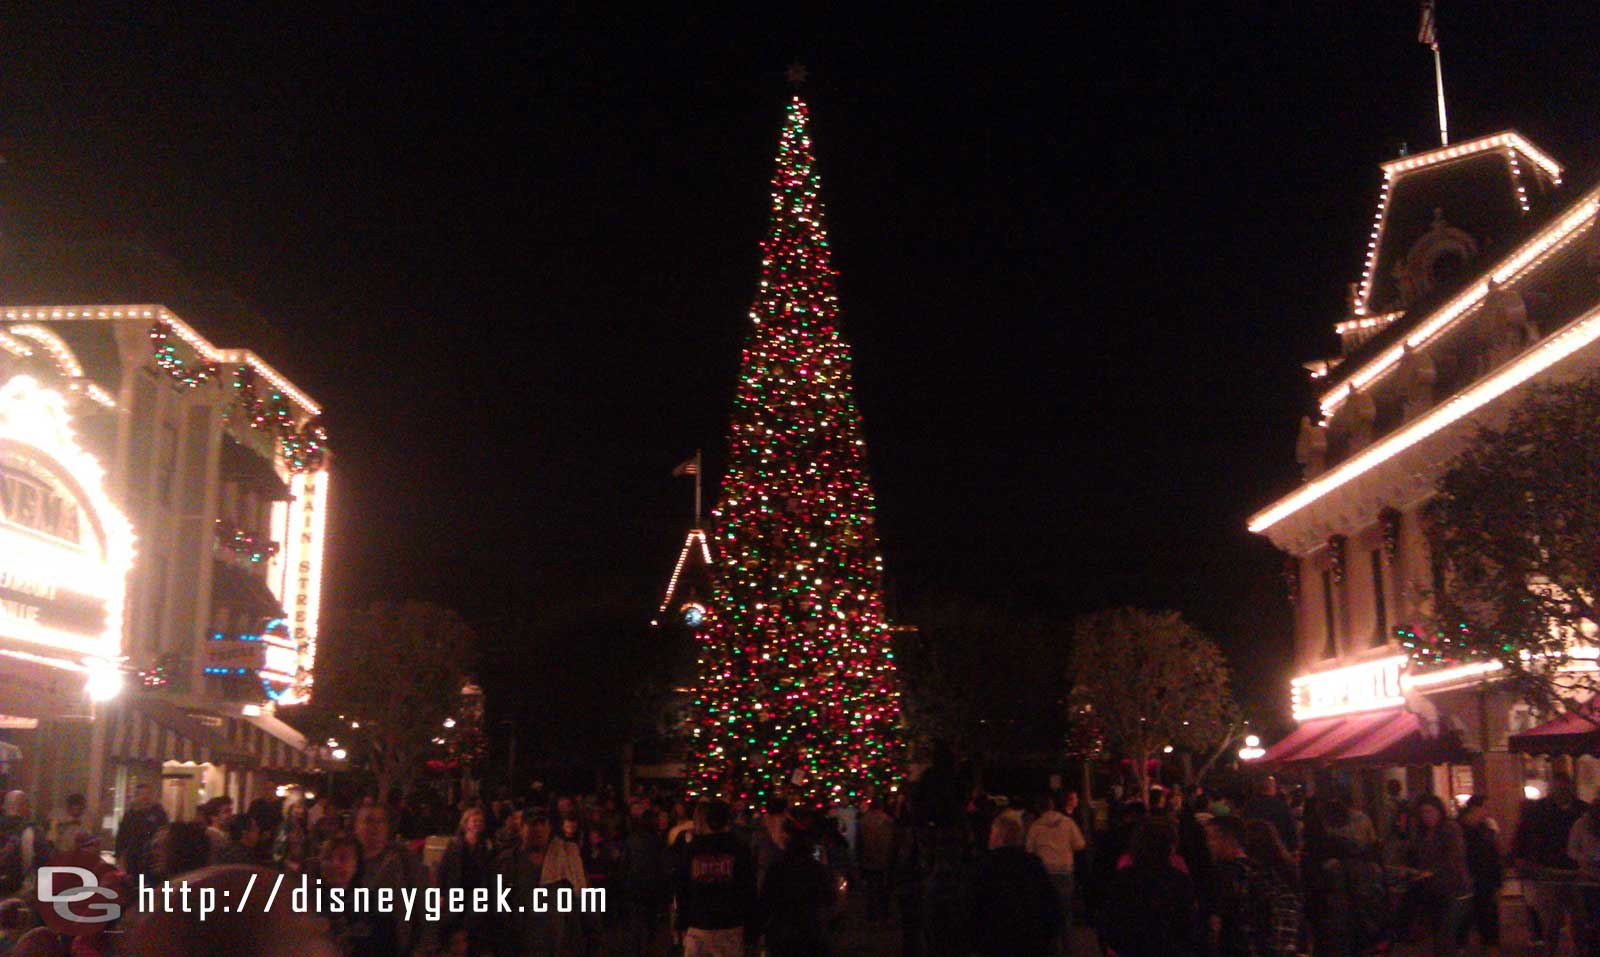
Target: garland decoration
191,373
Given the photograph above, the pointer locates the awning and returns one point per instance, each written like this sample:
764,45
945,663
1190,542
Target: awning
1301,739
150,729
1393,736
1574,732
276,745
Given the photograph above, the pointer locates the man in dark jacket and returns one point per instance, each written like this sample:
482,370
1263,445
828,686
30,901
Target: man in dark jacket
797,898
1540,852
1015,909
716,889
139,824
1270,806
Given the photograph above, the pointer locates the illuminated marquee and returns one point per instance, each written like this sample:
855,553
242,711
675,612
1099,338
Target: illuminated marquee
65,550
1365,687
297,582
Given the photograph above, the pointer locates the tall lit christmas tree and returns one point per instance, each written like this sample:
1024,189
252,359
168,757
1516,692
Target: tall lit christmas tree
796,690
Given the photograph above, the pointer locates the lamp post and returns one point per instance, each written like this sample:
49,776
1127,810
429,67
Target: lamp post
103,685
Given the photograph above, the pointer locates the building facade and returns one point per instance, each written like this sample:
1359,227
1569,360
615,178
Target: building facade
207,508
1480,279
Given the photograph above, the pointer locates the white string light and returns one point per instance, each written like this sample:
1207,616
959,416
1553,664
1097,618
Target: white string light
1512,142
1575,336
695,535
1530,255
185,332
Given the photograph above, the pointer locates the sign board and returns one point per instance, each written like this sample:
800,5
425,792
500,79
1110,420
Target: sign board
297,580
39,690
65,550
1364,687
233,656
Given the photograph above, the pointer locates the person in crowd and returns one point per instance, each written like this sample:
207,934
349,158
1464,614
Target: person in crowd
908,874
1265,847
1056,840
387,863
564,866
1436,848
1256,913
527,933
1343,877
797,899
1186,811
1481,837
216,814
1583,847
602,856
138,827
1270,806
359,932
243,844
1111,849
268,812
875,855
468,864
14,922
255,931
1150,906
832,845
715,888
1012,812
1016,911
292,844
1394,821
769,838
1539,851
510,830
179,847
66,823
39,942
645,879
22,847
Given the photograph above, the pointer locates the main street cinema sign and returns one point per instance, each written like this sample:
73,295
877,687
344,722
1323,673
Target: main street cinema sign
65,550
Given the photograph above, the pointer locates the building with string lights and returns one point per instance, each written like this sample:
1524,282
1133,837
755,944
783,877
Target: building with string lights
1479,280
165,506
681,613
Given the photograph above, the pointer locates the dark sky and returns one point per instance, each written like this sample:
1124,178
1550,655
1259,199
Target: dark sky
1082,255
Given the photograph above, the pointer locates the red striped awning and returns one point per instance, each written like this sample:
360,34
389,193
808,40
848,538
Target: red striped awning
1392,736
1575,732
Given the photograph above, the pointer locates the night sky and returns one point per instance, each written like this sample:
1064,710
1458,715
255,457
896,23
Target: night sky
1081,258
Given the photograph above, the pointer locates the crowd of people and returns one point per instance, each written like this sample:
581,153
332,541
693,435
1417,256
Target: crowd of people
949,870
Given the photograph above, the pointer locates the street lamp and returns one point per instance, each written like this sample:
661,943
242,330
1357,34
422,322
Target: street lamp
104,683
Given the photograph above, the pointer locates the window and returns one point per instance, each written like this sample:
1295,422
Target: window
1330,644
1380,613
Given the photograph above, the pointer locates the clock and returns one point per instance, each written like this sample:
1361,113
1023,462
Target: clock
693,614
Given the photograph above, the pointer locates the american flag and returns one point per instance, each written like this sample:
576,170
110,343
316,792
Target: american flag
1427,30
687,467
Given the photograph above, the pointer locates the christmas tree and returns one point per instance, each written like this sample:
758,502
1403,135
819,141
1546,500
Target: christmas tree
796,691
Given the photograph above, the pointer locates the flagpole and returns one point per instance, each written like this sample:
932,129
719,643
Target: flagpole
696,488
1438,80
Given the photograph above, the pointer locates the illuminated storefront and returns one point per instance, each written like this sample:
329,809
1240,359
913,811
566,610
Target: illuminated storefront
65,554
218,464
1477,282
